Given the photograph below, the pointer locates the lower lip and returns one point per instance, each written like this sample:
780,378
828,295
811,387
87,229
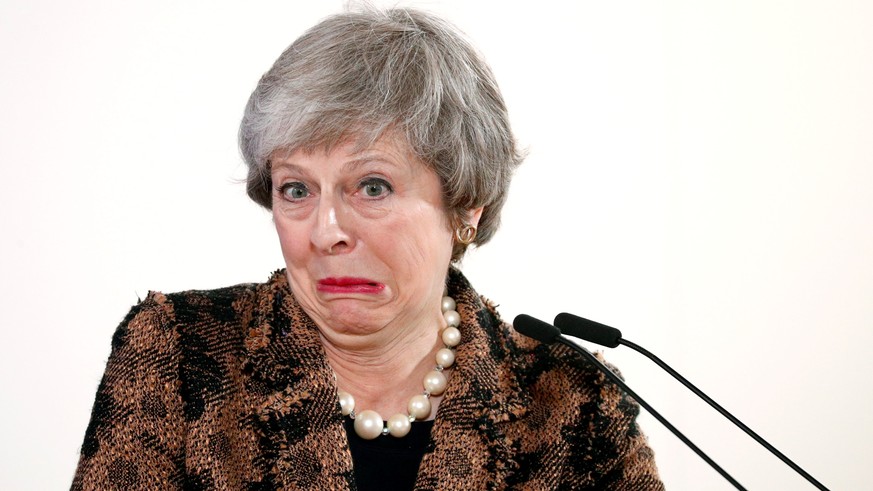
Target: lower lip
366,288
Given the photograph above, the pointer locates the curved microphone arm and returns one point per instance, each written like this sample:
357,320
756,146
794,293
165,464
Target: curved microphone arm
724,412
549,334
610,337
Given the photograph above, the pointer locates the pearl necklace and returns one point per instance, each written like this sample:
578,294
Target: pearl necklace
369,423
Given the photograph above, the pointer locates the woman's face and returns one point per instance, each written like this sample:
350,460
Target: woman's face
364,235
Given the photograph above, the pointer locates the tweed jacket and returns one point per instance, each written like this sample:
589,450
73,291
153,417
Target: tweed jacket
231,389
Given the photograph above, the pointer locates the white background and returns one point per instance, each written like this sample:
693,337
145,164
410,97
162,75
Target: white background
699,176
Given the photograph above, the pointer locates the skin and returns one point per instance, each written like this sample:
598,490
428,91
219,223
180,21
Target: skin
375,214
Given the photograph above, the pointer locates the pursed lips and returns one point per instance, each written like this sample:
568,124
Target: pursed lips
348,284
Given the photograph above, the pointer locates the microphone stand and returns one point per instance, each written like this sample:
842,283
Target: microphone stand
618,381
610,337
724,412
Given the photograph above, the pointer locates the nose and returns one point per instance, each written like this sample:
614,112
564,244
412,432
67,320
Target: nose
330,236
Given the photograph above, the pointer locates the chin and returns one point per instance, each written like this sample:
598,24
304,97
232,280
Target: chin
349,316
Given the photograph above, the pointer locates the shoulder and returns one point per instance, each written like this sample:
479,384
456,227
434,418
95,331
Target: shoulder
573,405
557,375
201,312
166,332
217,305
161,325
171,356
185,341
535,362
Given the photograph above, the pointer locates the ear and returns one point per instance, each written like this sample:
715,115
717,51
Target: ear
473,216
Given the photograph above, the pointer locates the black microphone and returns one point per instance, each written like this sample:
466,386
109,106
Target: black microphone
604,335
535,328
595,332
549,334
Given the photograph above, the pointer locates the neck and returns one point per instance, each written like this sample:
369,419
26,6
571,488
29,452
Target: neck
383,370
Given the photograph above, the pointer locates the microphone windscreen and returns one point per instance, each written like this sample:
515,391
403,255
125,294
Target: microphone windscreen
594,332
536,329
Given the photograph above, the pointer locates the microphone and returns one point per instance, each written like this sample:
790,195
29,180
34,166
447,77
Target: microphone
536,329
604,335
549,334
595,332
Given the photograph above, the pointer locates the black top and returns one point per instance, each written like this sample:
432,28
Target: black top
387,463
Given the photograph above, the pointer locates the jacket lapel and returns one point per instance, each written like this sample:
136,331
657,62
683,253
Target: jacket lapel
303,442
469,448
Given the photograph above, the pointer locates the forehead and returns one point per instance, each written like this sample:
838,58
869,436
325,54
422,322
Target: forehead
389,150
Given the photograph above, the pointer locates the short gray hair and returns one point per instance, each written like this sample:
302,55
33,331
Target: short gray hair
363,73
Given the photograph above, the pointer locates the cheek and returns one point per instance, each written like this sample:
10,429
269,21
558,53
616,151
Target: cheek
290,234
420,241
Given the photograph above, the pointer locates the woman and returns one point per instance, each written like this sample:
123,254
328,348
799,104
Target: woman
381,144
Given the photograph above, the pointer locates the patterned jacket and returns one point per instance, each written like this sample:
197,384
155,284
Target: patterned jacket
230,389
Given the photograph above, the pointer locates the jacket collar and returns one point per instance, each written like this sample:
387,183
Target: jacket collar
483,395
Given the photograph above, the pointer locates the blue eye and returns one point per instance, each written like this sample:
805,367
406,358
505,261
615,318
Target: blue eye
375,188
294,191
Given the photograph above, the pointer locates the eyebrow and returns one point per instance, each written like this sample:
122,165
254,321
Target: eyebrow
350,165
281,165
365,159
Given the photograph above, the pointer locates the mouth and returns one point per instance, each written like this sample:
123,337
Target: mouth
347,284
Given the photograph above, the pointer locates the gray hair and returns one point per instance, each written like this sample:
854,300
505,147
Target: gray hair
358,75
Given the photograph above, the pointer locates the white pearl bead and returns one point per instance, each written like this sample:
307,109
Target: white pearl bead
368,424
451,336
347,402
453,319
445,357
419,406
435,382
399,425
448,304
